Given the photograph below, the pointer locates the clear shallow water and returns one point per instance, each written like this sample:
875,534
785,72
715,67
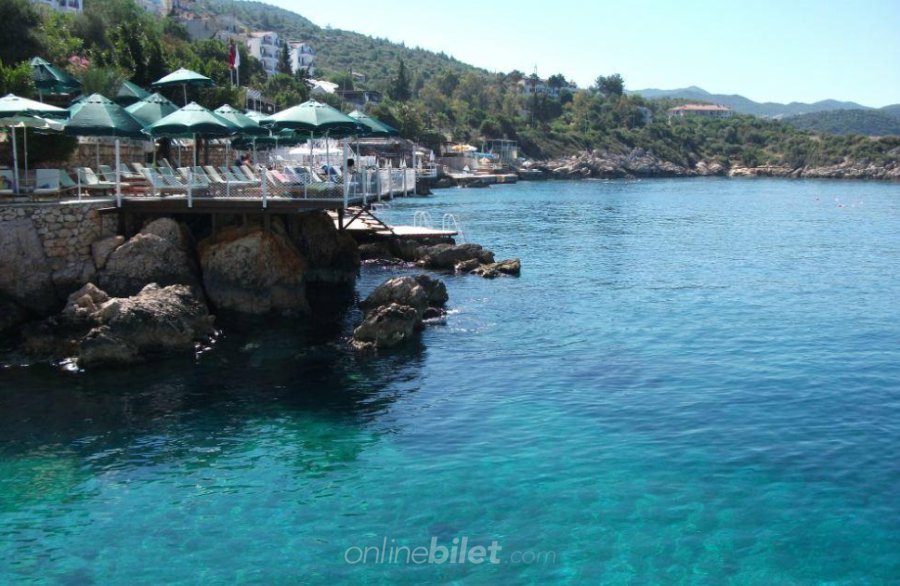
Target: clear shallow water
693,381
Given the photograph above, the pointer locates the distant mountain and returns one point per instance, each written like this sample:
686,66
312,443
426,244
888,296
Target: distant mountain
867,122
747,106
893,110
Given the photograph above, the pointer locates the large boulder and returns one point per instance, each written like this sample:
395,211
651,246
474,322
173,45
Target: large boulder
101,330
332,255
397,308
160,253
156,320
26,276
386,326
253,271
404,291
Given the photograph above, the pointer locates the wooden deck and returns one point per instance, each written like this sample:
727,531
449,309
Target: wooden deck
178,204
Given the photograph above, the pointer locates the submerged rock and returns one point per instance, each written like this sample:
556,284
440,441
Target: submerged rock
447,256
512,267
253,271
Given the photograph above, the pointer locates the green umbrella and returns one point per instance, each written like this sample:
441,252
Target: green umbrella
151,109
315,117
129,93
184,77
48,78
246,125
99,116
12,109
193,120
373,126
262,119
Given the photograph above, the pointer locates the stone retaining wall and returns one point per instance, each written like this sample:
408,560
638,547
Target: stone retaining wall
46,249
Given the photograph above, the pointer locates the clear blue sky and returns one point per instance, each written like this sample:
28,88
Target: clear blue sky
767,50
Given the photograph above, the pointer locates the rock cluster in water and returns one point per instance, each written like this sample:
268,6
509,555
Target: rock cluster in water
154,292
441,256
96,329
398,308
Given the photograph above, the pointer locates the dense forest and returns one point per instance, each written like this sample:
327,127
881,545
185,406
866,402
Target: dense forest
868,122
430,97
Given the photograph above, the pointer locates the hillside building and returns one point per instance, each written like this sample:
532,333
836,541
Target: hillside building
61,5
302,57
702,110
265,46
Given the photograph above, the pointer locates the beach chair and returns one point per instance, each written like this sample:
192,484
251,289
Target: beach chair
248,172
197,182
107,173
226,173
213,175
6,182
240,175
159,185
128,174
91,182
66,182
46,183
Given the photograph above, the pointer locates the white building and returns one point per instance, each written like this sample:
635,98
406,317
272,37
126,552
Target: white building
265,46
159,7
303,57
540,87
62,5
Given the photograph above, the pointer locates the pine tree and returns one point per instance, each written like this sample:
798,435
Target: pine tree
400,86
284,60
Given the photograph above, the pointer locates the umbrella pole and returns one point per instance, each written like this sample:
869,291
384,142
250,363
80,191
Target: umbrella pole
191,176
15,162
184,87
25,152
309,169
346,175
227,160
118,178
98,153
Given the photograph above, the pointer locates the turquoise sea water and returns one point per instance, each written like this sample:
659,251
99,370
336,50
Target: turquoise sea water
692,382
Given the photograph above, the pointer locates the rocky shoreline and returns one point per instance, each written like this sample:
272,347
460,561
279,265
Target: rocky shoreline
158,291
643,164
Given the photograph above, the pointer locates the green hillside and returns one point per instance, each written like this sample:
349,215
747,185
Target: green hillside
339,51
867,122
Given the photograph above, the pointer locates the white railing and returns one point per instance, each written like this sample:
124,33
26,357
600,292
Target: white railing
450,223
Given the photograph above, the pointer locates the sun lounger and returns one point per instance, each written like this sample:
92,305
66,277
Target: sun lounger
46,183
6,182
159,185
91,182
198,182
230,177
248,172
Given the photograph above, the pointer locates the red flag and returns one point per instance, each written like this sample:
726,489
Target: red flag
232,51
